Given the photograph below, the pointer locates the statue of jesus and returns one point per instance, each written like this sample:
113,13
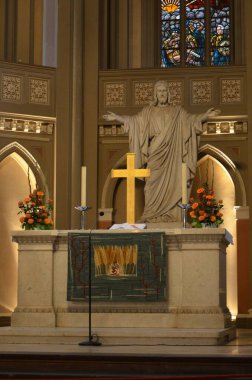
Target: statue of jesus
163,136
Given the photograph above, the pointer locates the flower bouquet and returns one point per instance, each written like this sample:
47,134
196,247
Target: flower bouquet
37,214
206,210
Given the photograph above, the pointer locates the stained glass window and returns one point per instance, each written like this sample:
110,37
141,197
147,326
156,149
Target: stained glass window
220,32
195,32
171,33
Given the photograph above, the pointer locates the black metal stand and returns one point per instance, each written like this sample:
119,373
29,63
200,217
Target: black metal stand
184,208
93,340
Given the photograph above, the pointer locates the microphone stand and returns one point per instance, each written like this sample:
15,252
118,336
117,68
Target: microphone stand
93,339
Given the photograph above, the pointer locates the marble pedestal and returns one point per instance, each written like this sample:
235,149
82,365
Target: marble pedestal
196,291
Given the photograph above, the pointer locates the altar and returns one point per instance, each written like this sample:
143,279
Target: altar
191,301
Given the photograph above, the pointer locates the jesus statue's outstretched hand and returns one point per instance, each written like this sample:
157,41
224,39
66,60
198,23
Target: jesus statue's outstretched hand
111,116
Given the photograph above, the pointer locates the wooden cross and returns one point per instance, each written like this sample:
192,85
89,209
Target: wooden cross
130,173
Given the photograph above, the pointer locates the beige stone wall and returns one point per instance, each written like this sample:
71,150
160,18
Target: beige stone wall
77,94
248,30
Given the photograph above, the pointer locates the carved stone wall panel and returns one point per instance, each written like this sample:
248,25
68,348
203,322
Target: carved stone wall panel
115,94
143,93
193,88
27,90
39,91
176,89
231,91
11,88
201,92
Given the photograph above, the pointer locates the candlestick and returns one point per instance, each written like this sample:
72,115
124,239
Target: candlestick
184,183
184,207
83,209
83,186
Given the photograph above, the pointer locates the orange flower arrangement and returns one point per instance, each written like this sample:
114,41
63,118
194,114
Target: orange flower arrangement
206,210
37,214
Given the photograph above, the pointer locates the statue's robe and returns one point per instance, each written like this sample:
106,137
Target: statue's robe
163,137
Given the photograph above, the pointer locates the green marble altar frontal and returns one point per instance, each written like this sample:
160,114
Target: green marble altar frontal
129,266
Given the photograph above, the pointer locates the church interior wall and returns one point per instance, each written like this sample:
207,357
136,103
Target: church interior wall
108,64
248,28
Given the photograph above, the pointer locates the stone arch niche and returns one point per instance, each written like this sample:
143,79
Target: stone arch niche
221,173
14,163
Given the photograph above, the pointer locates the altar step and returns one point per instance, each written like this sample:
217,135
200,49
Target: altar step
118,336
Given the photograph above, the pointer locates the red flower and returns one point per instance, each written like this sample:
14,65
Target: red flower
192,214
209,197
48,221
194,205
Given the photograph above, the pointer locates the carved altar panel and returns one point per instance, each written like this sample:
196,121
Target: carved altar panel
126,267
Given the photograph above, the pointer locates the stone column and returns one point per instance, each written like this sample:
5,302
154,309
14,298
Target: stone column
248,48
90,106
242,227
69,113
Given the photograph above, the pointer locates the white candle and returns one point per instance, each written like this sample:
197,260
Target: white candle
184,183
83,185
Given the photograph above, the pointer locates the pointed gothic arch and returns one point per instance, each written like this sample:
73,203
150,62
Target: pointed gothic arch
15,147
240,192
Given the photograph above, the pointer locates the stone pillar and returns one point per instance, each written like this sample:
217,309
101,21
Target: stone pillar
248,49
90,106
69,113
35,279
242,227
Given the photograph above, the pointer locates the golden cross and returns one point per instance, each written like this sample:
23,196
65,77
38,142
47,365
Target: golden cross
130,173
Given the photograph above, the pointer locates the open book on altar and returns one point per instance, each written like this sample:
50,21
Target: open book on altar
127,226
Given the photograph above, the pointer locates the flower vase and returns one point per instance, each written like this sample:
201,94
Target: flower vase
207,225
